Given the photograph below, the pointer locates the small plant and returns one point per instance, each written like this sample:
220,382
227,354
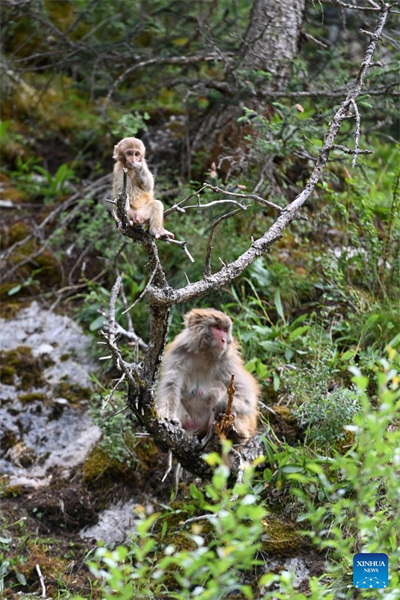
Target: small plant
118,437
38,182
208,561
325,415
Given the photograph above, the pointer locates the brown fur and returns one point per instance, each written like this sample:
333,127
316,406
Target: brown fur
196,371
142,207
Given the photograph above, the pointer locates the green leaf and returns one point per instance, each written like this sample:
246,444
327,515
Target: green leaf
278,304
277,381
297,332
251,365
271,346
14,290
349,354
292,469
21,578
395,341
97,323
289,353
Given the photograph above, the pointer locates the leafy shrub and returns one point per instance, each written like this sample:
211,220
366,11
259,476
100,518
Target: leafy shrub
221,545
352,501
325,415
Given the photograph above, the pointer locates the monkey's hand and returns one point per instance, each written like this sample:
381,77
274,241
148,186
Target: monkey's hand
224,422
169,416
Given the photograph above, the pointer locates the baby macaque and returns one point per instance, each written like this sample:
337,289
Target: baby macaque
129,154
196,370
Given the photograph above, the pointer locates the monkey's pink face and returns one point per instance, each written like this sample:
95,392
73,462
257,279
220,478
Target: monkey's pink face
222,337
133,157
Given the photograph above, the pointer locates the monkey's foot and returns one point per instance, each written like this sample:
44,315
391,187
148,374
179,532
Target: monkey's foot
170,419
161,232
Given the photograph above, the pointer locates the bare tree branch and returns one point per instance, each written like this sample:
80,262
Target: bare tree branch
207,264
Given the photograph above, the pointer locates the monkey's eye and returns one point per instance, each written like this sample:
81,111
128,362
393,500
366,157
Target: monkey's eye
221,327
137,153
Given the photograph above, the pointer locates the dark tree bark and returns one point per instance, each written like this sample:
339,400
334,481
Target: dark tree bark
269,46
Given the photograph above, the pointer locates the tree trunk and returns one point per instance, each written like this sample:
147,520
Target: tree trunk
269,46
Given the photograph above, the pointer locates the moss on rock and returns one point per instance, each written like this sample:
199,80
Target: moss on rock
27,368
281,537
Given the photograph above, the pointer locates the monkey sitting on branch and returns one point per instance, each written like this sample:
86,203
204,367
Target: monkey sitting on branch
141,207
195,373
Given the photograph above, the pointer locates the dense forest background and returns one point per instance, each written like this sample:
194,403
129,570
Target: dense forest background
237,95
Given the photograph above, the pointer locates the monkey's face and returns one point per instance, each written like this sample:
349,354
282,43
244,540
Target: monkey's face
130,151
220,337
133,157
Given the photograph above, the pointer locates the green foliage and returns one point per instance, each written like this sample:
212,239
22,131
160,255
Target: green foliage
347,503
7,135
325,415
362,509
29,282
289,130
129,124
110,414
222,544
9,565
39,183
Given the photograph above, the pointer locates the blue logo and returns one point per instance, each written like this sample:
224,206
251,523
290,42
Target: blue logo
370,570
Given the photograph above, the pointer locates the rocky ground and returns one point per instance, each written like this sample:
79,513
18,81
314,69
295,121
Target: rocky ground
59,490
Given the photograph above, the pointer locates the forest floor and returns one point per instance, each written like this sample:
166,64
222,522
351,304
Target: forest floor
55,477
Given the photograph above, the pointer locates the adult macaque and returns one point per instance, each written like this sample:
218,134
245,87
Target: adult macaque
196,370
142,206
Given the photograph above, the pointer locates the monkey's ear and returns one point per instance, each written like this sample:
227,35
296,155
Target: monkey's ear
116,151
194,317
186,319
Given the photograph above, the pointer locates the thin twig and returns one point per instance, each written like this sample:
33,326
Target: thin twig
207,262
169,467
227,420
142,293
177,205
357,133
208,517
131,370
347,150
216,203
131,335
109,396
374,8
219,190
180,243
111,312
41,578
